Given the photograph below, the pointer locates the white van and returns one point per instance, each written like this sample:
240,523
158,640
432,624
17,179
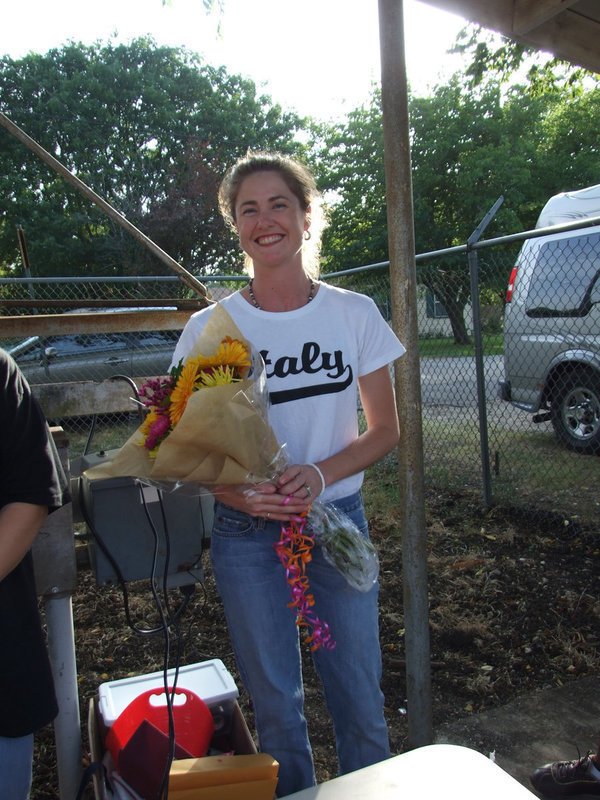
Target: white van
552,324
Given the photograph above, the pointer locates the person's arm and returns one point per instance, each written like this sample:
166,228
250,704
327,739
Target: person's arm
19,525
381,436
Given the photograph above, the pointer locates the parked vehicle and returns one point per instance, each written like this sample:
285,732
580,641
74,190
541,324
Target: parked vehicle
552,324
94,356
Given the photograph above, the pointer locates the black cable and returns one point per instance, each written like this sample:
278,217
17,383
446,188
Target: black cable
90,434
169,694
139,408
95,766
117,570
167,620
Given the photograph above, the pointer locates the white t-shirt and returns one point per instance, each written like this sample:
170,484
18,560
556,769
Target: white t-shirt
313,357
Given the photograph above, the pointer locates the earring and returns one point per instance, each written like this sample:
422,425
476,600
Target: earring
307,235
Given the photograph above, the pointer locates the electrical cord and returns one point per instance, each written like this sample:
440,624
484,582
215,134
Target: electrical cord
187,591
165,627
189,588
139,409
168,619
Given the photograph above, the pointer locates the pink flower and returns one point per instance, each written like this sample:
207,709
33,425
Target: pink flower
157,430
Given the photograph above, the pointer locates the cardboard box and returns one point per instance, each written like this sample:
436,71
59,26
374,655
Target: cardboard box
241,743
237,777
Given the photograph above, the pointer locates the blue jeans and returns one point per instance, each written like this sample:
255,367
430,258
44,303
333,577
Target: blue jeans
16,757
263,631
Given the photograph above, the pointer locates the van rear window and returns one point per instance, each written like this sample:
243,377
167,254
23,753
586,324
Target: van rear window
564,277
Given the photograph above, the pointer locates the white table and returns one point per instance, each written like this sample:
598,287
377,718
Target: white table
436,771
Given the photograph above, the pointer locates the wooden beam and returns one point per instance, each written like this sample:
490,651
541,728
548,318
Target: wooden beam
496,15
181,304
530,14
119,322
570,36
82,398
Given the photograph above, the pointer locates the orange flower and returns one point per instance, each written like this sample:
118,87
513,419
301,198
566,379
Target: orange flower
184,387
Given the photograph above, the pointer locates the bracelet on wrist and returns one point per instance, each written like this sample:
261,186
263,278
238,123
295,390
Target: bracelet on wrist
320,474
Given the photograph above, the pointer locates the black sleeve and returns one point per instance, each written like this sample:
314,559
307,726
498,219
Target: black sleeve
30,470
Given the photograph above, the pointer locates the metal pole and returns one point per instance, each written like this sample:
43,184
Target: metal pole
115,215
477,337
408,382
67,725
25,260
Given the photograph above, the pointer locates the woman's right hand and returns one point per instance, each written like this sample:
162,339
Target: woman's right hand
261,500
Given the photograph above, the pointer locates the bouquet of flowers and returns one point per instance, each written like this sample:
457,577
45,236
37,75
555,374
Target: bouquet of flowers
207,421
207,424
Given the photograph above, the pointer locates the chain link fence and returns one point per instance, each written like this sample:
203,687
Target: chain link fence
488,428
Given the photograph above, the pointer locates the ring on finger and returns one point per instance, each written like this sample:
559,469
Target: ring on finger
308,489
268,514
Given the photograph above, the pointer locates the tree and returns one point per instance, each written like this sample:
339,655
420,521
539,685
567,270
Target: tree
150,129
351,172
569,152
468,147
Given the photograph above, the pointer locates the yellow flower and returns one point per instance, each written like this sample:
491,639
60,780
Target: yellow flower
183,389
231,352
218,376
231,361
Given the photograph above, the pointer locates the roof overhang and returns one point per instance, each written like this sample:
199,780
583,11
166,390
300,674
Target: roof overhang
569,29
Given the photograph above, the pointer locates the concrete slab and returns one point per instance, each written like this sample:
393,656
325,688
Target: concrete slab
534,729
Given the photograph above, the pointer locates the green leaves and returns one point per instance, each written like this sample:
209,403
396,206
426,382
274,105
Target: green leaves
151,130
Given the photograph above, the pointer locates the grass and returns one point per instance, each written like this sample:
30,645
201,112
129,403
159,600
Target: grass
107,433
493,345
542,473
529,470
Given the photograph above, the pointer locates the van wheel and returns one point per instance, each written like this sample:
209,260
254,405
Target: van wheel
576,411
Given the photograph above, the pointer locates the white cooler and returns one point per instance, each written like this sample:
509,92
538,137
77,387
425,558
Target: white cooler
210,680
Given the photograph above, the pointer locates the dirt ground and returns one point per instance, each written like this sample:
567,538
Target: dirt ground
514,607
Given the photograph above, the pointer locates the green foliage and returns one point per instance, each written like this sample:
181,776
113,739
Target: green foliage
150,129
350,168
443,347
569,152
496,58
474,139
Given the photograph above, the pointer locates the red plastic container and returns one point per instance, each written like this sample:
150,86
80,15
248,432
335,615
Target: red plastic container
192,720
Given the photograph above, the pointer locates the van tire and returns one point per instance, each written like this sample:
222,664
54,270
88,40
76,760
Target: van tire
575,410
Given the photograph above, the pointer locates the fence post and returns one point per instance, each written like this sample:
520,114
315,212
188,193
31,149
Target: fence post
477,337
403,284
55,572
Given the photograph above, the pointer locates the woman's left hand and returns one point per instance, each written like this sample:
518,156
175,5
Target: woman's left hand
300,480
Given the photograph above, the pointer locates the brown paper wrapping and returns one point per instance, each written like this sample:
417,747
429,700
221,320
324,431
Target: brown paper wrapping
223,435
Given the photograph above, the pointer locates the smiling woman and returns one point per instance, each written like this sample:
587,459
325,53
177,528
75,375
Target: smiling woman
278,203
321,347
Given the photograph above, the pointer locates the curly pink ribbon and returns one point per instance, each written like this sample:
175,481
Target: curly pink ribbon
294,551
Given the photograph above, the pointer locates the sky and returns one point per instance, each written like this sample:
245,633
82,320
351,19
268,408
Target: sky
317,57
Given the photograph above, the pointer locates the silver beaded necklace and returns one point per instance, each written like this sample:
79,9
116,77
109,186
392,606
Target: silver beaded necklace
311,294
